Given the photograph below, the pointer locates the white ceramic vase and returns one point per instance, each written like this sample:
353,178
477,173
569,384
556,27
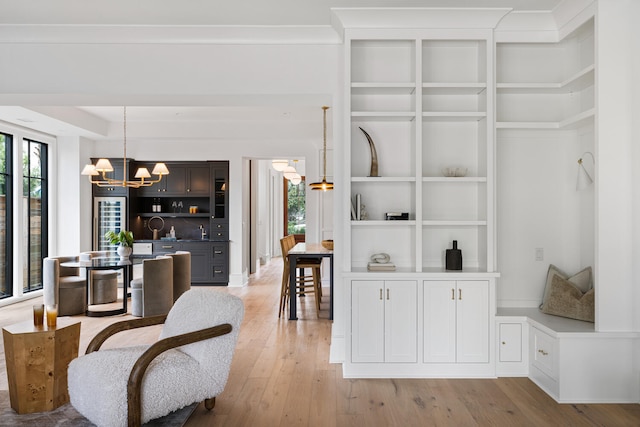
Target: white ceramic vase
124,251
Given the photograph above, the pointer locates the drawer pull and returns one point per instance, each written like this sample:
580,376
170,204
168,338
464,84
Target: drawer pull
217,252
217,271
219,226
167,247
544,353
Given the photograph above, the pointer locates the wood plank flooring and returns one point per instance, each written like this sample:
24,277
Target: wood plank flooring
281,376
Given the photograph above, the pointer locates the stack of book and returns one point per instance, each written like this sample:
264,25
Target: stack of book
381,266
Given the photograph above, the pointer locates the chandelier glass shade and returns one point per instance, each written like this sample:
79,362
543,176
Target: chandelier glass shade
323,185
104,166
279,164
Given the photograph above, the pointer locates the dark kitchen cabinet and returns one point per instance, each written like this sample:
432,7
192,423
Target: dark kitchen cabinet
118,173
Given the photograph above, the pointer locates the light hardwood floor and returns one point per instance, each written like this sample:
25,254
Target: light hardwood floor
281,376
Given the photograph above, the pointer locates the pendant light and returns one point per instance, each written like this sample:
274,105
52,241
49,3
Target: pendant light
103,166
323,185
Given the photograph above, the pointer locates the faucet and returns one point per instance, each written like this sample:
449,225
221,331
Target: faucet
203,232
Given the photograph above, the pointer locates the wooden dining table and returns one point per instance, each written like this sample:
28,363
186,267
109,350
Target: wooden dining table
308,250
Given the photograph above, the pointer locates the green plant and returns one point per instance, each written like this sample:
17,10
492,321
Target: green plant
124,237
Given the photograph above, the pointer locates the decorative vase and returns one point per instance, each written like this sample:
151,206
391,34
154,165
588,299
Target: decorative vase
124,251
453,259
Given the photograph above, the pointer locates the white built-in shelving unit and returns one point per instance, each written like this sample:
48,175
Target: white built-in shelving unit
425,101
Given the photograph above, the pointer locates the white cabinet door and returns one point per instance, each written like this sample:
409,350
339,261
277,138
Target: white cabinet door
456,321
439,321
401,321
367,321
384,321
472,321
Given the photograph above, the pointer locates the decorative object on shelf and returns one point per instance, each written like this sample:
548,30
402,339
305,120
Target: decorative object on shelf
397,216
103,166
323,185
360,211
453,172
373,172
380,262
328,244
453,259
124,240
155,231
584,179
193,209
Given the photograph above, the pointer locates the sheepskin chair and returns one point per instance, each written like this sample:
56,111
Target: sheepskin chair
101,383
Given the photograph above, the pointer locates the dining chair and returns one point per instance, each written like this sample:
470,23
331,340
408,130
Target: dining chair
63,286
305,284
152,294
103,284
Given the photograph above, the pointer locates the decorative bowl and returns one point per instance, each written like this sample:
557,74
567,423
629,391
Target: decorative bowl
454,172
328,244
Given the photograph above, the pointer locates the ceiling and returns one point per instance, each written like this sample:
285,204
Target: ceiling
207,12
238,13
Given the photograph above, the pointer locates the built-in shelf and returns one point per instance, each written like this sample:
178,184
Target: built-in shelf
378,179
391,223
174,215
572,122
454,179
448,116
454,88
450,223
366,88
384,115
579,81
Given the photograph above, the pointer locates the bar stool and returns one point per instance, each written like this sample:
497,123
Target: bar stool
305,284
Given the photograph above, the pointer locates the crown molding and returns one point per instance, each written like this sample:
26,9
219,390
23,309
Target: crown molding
167,34
417,17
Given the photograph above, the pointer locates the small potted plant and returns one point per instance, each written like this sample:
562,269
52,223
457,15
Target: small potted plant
124,240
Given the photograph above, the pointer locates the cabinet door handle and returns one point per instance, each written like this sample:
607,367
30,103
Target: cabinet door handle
544,353
453,294
219,225
459,293
380,294
188,190
387,294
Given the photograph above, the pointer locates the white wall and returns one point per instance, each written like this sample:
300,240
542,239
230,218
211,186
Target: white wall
614,166
157,74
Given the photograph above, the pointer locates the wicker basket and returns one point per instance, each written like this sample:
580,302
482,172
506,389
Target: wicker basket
328,244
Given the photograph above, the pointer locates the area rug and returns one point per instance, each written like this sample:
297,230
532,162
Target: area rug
67,416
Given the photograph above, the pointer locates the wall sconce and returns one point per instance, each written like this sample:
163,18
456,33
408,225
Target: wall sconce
584,179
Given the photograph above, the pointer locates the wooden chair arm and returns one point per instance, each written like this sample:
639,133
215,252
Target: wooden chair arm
134,399
121,326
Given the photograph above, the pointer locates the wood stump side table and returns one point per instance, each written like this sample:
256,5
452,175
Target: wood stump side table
37,359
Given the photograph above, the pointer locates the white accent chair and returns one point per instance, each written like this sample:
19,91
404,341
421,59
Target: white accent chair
189,363
103,284
63,286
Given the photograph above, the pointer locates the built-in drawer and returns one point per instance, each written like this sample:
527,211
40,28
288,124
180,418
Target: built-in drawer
219,231
544,354
220,273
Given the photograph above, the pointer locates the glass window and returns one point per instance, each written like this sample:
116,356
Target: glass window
34,203
6,224
294,209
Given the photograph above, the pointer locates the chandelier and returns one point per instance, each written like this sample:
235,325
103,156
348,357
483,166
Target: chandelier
323,185
103,166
